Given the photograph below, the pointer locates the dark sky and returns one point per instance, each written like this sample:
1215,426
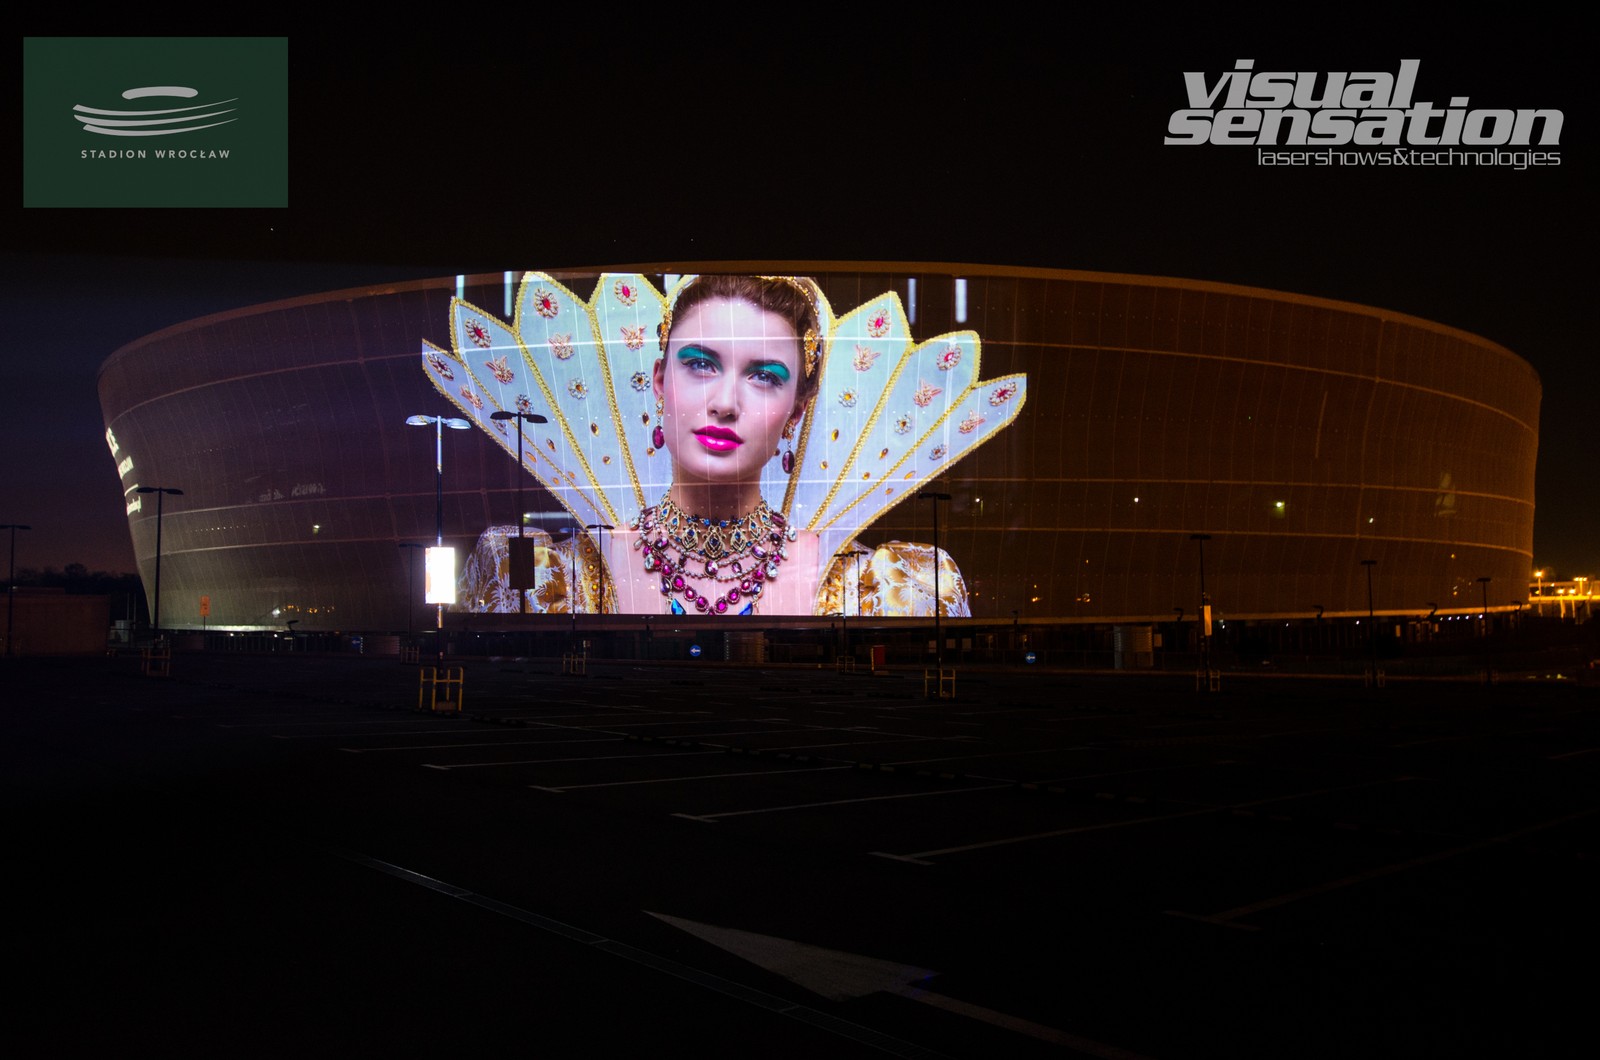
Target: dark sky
550,145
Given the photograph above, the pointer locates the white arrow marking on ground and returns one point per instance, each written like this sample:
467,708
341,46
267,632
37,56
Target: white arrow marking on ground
841,976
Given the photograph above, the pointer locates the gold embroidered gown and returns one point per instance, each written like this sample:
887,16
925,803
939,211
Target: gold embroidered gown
895,580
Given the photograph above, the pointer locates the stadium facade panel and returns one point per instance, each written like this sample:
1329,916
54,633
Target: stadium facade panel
1303,435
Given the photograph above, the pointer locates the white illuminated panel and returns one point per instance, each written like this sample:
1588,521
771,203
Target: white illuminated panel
439,577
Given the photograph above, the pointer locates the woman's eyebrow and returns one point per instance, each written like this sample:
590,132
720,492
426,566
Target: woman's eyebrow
766,366
703,351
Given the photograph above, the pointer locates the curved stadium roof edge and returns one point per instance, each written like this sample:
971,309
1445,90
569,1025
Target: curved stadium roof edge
808,267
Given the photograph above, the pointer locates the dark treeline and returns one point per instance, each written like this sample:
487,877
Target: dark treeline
124,592
76,578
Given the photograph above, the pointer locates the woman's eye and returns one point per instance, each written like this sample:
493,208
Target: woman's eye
771,376
697,362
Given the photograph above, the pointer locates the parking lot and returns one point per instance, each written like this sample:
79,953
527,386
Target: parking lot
797,860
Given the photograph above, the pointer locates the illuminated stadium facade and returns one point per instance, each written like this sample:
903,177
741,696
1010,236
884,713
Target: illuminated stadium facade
1302,435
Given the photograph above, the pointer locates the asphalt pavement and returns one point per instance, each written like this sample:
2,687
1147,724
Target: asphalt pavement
280,855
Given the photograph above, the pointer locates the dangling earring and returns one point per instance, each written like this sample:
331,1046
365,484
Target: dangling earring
788,454
658,439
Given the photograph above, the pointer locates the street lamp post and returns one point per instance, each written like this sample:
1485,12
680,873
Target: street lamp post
410,589
844,608
531,417
161,495
600,603
1205,608
572,591
601,529
1372,622
439,423
1483,583
938,638
11,584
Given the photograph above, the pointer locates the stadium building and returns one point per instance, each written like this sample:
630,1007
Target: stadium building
1280,440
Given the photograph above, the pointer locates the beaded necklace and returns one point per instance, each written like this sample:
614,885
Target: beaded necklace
743,554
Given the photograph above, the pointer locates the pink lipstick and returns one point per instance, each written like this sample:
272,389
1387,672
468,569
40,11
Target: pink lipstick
718,439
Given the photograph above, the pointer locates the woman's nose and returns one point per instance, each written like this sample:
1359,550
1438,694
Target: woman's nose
723,400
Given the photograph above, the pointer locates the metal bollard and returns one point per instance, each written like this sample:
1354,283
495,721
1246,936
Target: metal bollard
441,689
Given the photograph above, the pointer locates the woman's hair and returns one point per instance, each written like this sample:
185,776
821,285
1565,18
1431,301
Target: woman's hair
792,298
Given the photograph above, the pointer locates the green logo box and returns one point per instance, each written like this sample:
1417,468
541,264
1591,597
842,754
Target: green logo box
155,121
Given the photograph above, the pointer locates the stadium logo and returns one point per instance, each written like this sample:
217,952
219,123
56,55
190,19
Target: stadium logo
1273,109
155,120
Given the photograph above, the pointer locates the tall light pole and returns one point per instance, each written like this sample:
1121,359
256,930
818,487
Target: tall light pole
531,417
439,423
161,495
11,584
1372,622
938,638
1205,607
844,609
572,590
1483,583
410,589
601,529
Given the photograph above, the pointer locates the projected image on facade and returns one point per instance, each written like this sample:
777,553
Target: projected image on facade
1301,436
722,448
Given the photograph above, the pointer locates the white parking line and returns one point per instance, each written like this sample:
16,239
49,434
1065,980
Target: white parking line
204,711
875,731
1061,719
591,715
1145,769
847,743
311,724
708,817
1281,732
346,735
486,743
745,732
1226,917
1435,739
535,701
992,754
680,721
1029,710
547,761
700,776
919,857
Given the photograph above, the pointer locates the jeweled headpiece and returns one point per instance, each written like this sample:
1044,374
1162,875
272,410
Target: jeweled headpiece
810,340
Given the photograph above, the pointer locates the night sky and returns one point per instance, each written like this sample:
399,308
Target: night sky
550,145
